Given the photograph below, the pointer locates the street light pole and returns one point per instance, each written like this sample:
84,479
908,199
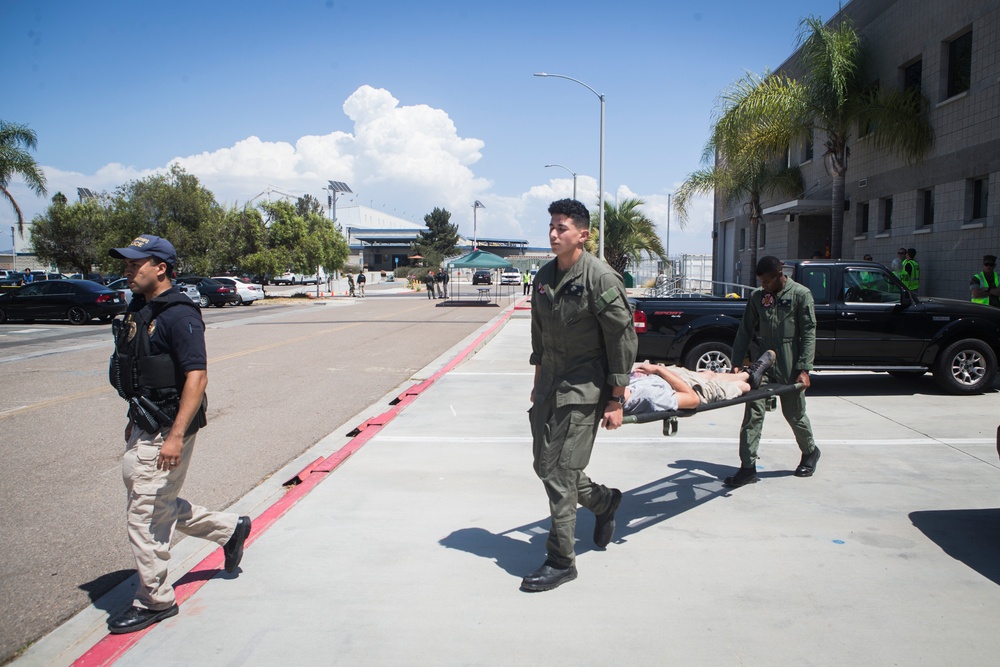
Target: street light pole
600,182
475,238
570,171
13,250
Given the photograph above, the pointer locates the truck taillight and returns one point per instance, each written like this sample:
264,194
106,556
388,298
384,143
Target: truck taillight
639,321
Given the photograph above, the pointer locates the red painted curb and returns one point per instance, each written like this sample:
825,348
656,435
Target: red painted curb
111,647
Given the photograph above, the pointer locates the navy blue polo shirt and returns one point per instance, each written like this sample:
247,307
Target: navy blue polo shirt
180,332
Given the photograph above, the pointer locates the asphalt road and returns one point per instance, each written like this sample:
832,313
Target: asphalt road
281,377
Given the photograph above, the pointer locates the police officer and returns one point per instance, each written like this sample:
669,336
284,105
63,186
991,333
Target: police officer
362,280
984,285
582,347
160,367
781,312
429,283
910,273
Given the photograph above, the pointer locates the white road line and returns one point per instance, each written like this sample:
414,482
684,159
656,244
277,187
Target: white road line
674,440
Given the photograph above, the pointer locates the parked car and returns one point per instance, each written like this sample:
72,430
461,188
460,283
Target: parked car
78,301
211,292
866,319
246,293
96,277
510,276
482,277
286,278
121,285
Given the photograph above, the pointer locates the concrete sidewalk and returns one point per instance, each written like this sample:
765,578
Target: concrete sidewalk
411,552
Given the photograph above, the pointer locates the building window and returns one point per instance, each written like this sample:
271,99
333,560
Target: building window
761,234
861,216
807,147
925,217
959,64
886,214
913,75
743,239
977,197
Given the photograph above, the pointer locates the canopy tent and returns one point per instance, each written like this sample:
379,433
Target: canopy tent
480,259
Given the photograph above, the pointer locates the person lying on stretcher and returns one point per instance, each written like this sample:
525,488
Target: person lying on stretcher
654,388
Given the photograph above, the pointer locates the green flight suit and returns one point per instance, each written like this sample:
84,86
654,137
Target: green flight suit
583,343
786,323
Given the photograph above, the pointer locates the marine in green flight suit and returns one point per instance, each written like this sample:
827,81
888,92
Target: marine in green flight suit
583,345
781,312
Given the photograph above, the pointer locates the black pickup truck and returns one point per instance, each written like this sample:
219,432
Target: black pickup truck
866,320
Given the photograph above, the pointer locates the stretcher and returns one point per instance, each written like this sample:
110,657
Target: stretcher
769,393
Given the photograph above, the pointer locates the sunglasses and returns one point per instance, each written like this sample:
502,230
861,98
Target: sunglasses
989,263
900,252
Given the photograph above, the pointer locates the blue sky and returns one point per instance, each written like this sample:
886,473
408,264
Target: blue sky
413,104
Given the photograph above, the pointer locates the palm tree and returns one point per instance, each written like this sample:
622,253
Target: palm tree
741,173
627,234
15,141
834,96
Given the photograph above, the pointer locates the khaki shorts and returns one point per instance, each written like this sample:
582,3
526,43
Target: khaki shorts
710,391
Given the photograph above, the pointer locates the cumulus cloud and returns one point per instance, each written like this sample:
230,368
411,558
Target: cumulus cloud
403,158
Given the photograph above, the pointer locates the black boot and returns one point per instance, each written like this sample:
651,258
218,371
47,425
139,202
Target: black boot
807,466
743,476
757,369
547,577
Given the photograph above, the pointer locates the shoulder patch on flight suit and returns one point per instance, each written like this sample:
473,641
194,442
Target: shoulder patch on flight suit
607,298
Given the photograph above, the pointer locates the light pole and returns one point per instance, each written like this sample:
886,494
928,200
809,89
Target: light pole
475,238
600,180
13,250
570,171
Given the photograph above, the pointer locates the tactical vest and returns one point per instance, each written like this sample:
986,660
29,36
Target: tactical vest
135,372
911,274
984,284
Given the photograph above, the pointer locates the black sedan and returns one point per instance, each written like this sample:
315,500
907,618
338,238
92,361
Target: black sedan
212,292
78,301
482,277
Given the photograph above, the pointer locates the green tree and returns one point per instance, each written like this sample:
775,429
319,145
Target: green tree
307,204
439,240
15,142
738,172
835,96
628,233
240,233
303,243
173,205
70,235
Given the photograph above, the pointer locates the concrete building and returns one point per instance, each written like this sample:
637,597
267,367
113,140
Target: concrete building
940,205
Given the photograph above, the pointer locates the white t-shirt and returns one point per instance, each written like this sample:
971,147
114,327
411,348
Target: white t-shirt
650,393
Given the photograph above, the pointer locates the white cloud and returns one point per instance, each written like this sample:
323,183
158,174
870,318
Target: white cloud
403,159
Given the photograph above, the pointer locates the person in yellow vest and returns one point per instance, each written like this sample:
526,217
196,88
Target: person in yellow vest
985,285
910,275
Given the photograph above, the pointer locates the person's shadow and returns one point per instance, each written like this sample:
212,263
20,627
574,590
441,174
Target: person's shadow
518,550
971,536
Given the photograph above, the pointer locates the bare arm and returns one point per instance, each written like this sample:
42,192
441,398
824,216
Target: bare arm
192,394
687,397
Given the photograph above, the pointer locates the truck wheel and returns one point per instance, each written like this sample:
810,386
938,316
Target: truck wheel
966,367
711,356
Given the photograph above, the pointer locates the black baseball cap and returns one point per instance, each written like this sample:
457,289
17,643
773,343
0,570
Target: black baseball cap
987,259
147,246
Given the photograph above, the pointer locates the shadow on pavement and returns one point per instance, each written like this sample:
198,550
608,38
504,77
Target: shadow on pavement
519,550
96,588
970,536
877,384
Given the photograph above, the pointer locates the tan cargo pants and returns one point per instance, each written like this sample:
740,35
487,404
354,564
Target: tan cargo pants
153,510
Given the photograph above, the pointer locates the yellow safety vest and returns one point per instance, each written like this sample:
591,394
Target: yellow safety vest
984,284
911,274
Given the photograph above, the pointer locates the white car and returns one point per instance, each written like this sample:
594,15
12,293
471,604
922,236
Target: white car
121,285
246,292
286,278
510,277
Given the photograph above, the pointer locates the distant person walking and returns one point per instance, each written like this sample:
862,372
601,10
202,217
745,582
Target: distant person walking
350,285
442,282
984,285
362,279
429,282
910,274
